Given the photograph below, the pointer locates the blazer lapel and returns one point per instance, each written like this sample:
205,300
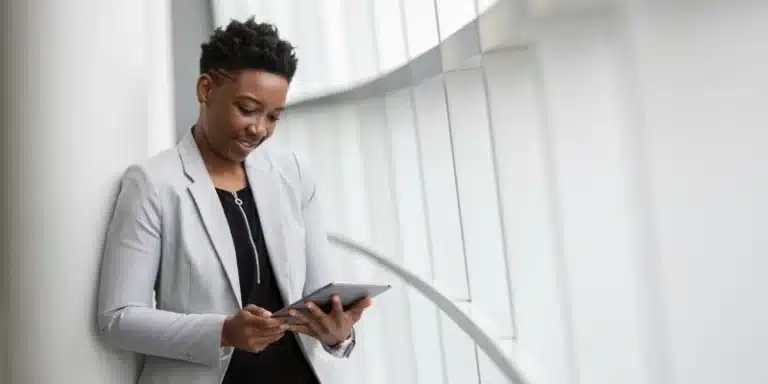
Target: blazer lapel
207,200
265,187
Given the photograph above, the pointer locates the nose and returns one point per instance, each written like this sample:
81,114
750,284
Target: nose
258,128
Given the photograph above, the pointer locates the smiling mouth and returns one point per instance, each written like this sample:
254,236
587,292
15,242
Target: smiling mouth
248,144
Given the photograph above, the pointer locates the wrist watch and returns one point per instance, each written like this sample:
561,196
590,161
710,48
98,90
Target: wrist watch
344,343
344,348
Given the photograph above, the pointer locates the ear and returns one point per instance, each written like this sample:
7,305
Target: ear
204,87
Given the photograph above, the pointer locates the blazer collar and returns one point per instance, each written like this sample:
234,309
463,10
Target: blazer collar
191,159
265,186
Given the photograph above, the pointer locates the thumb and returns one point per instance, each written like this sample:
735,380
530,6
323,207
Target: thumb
364,303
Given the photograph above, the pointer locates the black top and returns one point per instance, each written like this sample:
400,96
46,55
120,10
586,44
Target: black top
282,361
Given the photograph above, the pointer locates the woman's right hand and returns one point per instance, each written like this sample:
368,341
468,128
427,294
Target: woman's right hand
252,329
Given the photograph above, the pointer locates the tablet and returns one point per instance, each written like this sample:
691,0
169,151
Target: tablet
348,293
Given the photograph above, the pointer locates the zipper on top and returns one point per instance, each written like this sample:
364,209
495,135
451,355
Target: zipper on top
250,236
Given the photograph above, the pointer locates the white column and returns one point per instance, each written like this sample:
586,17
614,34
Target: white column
76,114
161,127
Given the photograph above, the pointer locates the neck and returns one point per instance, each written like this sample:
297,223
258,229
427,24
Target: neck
214,162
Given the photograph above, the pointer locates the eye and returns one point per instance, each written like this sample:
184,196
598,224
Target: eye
244,110
274,118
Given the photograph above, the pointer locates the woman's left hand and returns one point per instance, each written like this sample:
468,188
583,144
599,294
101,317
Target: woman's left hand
329,328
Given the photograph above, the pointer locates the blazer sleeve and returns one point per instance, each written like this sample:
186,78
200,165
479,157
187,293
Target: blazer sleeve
127,318
320,264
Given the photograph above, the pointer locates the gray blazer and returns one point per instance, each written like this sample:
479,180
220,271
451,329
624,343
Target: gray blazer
169,240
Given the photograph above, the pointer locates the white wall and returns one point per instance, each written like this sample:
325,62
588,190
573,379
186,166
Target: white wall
80,74
603,164
161,126
656,125
702,96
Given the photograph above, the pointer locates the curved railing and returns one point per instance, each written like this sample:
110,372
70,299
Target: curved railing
477,334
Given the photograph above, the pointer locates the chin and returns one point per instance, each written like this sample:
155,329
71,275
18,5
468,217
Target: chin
238,157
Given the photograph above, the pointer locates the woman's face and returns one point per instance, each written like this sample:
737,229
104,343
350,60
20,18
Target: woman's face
240,110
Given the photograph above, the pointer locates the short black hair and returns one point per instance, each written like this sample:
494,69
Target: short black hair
248,45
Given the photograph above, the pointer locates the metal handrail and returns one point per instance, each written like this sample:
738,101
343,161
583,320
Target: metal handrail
480,337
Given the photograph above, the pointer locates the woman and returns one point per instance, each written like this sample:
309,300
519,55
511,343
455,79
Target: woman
222,231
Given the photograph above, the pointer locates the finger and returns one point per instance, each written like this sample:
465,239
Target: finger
301,318
252,329
354,316
361,305
257,311
302,328
338,311
306,321
248,318
351,318
337,308
270,331
275,338
263,323
263,339
257,315
318,315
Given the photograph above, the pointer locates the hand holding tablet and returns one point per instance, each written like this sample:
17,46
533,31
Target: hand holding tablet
349,294
330,313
